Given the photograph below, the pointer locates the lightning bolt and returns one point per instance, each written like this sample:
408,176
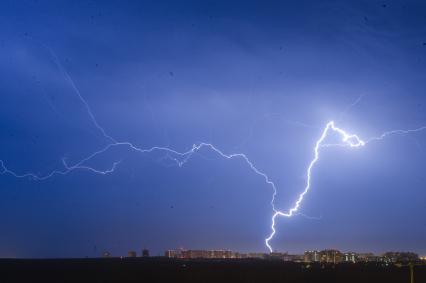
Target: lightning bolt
347,140
180,158
350,140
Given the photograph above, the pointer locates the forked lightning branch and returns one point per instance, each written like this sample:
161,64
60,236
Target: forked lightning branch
346,140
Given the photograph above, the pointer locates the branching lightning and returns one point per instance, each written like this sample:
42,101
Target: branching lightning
346,140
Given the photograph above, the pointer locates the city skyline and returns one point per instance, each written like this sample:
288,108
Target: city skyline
332,256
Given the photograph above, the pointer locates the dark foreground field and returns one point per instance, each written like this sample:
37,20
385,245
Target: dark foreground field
165,270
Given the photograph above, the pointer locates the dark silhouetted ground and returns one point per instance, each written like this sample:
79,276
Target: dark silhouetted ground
167,270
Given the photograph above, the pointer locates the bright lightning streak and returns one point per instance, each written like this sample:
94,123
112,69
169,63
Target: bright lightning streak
347,140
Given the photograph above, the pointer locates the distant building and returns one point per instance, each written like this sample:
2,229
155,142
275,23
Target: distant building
331,256
206,254
145,253
367,257
172,254
131,254
311,256
240,255
350,257
194,254
221,254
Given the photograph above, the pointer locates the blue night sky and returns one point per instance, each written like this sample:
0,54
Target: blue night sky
255,77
